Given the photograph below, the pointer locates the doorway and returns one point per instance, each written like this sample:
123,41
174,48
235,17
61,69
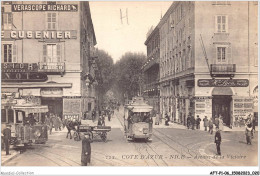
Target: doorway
221,106
55,105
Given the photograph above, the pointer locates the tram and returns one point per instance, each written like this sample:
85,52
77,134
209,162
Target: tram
138,123
27,124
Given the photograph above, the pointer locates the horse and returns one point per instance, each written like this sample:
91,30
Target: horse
71,125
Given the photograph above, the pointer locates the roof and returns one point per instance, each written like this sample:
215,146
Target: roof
139,105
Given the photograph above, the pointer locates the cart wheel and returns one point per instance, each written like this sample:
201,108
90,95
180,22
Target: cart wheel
104,136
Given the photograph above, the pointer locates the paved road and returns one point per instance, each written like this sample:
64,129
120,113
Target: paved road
170,147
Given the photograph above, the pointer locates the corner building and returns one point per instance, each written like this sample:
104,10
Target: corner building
48,56
150,69
209,61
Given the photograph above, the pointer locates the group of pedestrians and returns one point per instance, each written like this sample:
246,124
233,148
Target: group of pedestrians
53,121
209,123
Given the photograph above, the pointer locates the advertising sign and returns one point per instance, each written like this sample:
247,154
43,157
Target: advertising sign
223,82
19,67
45,7
68,34
24,77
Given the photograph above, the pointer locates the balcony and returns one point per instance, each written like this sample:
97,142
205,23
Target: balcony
52,67
222,70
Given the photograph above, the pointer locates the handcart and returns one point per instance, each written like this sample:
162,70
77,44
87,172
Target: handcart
95,131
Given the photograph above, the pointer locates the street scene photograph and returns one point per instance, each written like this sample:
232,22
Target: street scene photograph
152,83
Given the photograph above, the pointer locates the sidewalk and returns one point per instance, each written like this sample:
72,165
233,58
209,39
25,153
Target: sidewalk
6,158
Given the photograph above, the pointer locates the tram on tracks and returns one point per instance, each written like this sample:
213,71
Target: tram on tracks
27,124
138,122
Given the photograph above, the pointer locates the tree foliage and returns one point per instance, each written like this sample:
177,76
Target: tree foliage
105,65
128,74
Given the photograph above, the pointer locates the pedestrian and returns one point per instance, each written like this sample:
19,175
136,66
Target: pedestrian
206,123
157,119
210,126
86,150
221,125
198,122
192,122
103,120
109,115
167,119
216,121
188,122
248,133
218,141
7,138
93,114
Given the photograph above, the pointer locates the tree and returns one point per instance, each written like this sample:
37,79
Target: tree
106,67
128,74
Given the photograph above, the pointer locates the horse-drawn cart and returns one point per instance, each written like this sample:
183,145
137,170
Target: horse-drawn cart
95,131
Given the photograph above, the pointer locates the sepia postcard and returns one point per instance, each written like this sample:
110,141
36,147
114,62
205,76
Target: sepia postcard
129,83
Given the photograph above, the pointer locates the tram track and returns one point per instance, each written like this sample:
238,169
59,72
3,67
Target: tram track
184,148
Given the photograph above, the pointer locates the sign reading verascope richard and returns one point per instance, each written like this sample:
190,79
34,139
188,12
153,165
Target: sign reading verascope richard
45,7
223,82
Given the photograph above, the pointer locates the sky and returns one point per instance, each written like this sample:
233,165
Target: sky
117,38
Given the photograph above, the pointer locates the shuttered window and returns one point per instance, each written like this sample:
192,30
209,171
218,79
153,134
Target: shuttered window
223,54
221,22
51,21
7,21
9,53
52,53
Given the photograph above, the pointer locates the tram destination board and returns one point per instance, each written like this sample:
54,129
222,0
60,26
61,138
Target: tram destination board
223,82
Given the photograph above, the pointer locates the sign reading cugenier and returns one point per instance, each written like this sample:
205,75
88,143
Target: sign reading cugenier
45,7
72,34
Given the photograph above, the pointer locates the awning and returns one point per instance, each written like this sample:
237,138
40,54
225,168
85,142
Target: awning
32,109
35,85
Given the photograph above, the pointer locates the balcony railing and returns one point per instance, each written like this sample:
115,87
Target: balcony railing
51,67
222,70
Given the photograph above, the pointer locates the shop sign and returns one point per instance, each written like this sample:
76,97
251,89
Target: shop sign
26,77
223,82
19,67
71,116
52,67
72,34
45,7
51,92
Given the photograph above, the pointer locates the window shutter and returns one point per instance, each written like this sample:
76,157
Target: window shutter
58,53
226,23
214,54
14,53
216,24
44,53
229,57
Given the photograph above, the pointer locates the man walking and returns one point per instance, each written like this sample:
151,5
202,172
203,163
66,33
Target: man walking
218,141
192,122
7,138
198,122
86,150
206,122
216,121
210,126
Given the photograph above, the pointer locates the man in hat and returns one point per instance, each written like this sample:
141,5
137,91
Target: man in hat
86,150
7,138
218,140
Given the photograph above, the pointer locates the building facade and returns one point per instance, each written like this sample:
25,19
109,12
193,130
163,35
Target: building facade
150,69
209,60
48,56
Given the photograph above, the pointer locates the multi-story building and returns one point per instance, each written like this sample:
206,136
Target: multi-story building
151,72
48,56
209,60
